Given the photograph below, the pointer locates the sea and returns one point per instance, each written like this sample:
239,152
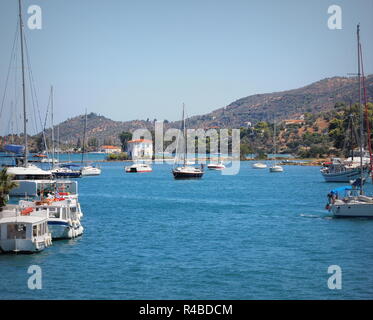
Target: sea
252,235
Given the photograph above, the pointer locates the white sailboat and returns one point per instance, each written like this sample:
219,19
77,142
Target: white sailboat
275,167
88,170
23,169
354,203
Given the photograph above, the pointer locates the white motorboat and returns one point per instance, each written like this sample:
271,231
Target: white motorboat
219,165
259,165
276,168
138,167
29,172
23,230
63,220
90,171
216,166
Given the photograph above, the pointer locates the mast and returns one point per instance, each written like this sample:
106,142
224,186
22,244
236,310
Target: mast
23,85
185,137
361,111
274,140
52,125
84,133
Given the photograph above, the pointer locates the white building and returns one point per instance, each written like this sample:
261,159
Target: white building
110,149
140,148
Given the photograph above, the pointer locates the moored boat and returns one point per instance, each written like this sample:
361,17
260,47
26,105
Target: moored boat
259,165
138,167
23,230
185,171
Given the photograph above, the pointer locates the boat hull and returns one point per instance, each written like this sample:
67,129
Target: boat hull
23,245
353,210
187,175
345,176
215,167
276,169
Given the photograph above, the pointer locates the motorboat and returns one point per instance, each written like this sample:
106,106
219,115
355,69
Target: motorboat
259,165
90,171
216,166
276,168
63,221
138,167
23,230
29,172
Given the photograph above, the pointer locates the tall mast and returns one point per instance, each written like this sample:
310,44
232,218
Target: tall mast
274,140
85,129
184,134
361,110
52,125
23,85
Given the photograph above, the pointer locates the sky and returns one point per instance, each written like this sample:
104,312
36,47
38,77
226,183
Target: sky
142,59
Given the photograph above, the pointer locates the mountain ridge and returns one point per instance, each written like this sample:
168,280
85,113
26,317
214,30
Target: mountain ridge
316,97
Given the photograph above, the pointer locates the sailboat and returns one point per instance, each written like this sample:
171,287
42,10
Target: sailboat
23,169
275,167
354,203
88,170
186,171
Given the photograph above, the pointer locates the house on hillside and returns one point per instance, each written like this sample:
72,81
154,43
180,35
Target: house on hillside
297,121
140,148
110,149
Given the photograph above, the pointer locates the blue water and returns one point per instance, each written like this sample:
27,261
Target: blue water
254,235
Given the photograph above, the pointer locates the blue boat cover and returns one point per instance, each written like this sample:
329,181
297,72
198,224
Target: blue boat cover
14,148
340,189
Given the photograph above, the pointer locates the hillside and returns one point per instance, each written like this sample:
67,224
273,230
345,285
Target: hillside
314,98
317,97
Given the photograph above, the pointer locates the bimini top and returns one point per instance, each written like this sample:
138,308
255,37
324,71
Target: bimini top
340,190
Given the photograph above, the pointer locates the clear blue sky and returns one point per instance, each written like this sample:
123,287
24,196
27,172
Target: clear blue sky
141,59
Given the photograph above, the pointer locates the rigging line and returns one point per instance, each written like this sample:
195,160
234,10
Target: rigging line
369,142
9,67
32,85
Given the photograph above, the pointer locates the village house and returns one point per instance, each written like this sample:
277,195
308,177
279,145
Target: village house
140,148
110,149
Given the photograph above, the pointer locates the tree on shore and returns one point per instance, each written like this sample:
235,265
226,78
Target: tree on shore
6,185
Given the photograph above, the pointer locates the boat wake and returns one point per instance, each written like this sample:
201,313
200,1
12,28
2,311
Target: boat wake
315,216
